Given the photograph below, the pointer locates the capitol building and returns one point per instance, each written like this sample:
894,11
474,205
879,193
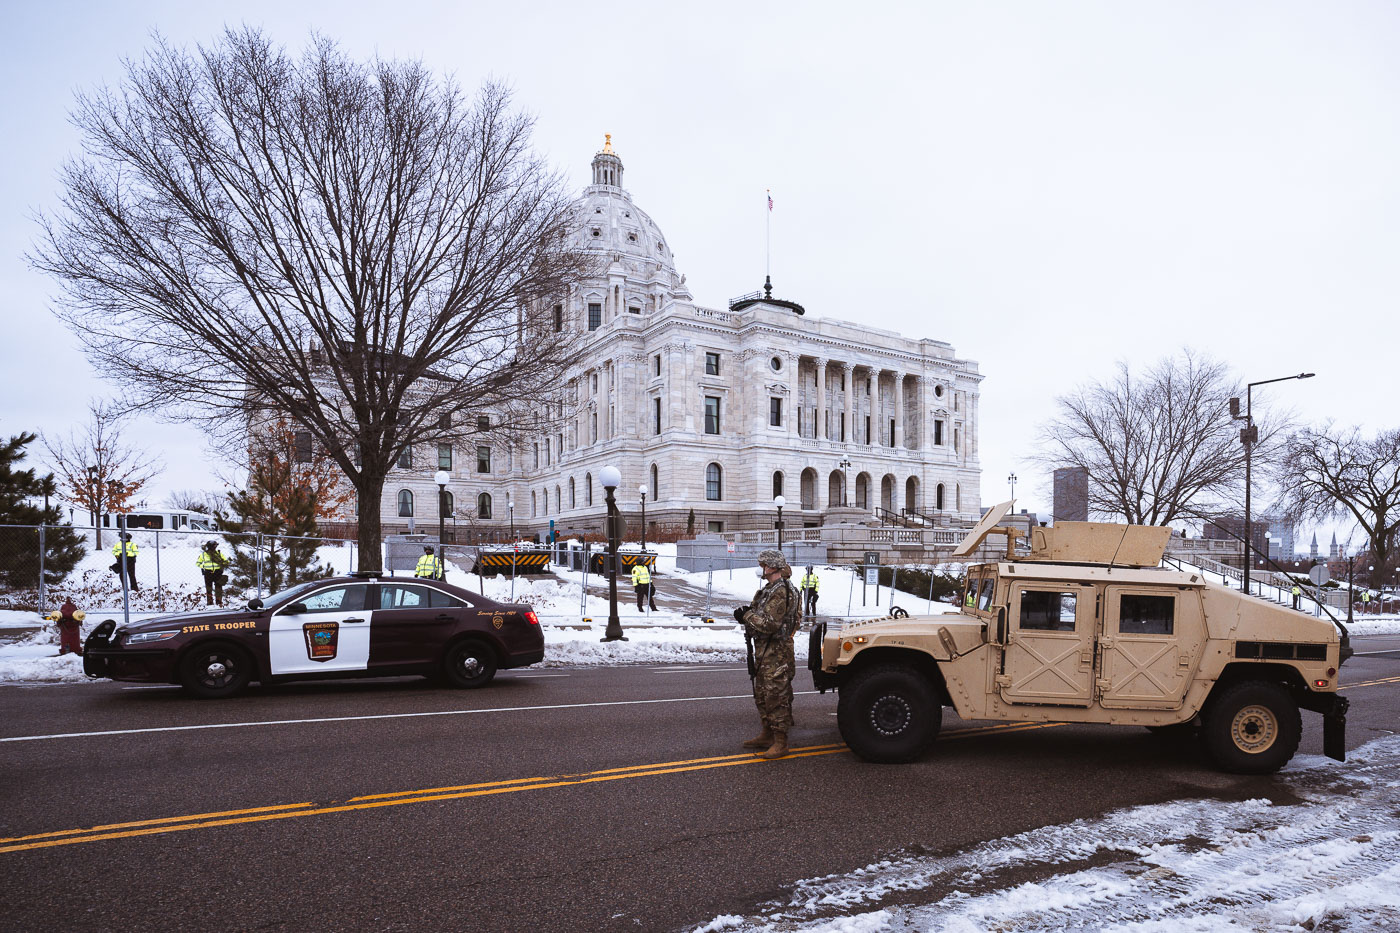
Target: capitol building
713,411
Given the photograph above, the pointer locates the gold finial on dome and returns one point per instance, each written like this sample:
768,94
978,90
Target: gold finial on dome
607,142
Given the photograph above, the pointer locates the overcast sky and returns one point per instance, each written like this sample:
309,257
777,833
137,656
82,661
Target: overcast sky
1050,187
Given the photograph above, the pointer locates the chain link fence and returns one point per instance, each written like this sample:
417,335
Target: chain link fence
164,573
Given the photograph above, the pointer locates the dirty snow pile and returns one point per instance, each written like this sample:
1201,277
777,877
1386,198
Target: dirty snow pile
1329,861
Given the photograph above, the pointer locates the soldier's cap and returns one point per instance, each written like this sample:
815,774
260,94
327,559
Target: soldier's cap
772,557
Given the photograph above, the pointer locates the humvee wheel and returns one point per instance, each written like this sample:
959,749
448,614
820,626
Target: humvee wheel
1252,728
889,713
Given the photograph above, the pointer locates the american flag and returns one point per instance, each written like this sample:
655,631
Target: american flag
770,202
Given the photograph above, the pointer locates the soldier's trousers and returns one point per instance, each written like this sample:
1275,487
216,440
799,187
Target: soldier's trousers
772,684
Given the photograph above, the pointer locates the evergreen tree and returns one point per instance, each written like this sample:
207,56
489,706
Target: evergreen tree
283,508
19,547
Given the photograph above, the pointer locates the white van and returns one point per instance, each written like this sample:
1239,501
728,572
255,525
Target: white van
162,520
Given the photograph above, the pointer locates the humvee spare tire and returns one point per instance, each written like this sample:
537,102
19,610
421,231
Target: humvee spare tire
1252,728
889,713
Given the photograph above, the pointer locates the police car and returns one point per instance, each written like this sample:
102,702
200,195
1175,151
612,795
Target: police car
363,625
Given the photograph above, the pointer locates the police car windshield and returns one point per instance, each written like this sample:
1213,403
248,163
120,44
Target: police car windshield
290,596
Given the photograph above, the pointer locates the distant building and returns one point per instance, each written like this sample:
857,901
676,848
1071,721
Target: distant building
1071,494
1269,534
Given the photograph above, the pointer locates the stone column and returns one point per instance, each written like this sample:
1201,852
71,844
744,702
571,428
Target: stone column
605,403
898,438
850,405
818,429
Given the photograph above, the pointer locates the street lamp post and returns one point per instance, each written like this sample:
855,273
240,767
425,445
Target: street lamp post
779,501
845,466
611,477
1011,478
1249,436
510,510
1351,594
643,491
441,477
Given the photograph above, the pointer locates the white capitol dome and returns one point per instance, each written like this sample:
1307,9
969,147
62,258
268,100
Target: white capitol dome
608,222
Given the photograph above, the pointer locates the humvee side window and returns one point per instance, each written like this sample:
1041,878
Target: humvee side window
1048,612
984,597
1146,615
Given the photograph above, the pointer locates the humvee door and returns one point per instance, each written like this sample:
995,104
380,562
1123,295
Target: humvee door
1049,654
1151,639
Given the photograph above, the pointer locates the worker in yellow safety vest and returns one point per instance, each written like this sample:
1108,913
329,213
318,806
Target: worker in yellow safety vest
125,553
1297,592
809,586
641,582
429,567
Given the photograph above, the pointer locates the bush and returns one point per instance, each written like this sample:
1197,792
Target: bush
916,582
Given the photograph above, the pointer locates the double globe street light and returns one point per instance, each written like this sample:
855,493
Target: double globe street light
611,478
441,477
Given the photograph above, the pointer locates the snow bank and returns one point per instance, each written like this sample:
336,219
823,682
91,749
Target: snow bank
1330,862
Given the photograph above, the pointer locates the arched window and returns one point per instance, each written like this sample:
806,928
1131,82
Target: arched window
714,489
588,489
655,483
483,505
446,505
557,500
573,498
405,503
778,483
940,505
544,501
534,506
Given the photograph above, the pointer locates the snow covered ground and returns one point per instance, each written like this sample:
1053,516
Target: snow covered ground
1329,861
668,637
676,636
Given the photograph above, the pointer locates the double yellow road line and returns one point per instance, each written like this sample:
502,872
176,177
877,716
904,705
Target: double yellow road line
176,824
1371,683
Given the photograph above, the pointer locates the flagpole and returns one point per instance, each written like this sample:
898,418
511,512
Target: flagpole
768,237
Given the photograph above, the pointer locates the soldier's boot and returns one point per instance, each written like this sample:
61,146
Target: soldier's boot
762,740
778,749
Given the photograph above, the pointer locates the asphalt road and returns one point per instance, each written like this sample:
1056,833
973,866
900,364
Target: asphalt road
599,799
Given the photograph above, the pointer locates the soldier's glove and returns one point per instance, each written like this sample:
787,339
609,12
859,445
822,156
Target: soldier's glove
739,614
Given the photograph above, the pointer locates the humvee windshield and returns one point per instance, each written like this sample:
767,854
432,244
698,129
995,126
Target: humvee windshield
981,584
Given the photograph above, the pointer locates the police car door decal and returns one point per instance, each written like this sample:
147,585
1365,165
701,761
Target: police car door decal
331,635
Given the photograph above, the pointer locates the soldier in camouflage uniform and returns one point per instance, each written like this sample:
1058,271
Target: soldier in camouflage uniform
772,620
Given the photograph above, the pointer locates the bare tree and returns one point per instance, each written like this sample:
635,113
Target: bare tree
1339,473
1159,446
207,501
355,246
97,470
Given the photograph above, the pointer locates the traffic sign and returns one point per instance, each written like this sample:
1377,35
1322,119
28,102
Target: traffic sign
1319,574
731,547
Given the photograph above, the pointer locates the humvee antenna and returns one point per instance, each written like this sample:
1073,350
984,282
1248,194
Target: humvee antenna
1121,539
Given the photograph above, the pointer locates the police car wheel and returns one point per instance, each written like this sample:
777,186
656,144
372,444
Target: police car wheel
889,713
1252,728
212,672
469,664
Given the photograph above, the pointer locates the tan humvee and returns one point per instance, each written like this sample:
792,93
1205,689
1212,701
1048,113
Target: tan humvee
1086,627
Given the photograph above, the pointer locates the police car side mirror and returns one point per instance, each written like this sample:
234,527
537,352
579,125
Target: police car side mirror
296,609
254,604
